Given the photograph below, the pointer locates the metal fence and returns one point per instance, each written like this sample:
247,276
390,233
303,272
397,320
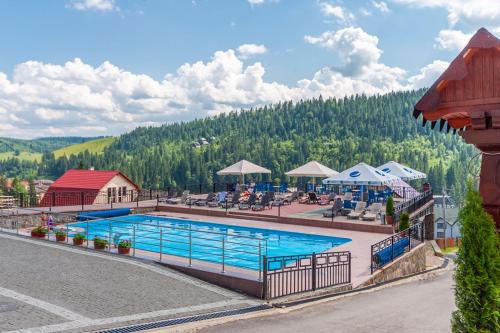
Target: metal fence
287,275
395,246
410,206
154,238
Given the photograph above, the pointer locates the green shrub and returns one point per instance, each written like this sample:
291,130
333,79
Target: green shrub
389,207
40,230
477,277
60,233
404,222
125,244
78,237
100,241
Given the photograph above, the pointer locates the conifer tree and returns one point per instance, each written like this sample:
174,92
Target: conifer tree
477,278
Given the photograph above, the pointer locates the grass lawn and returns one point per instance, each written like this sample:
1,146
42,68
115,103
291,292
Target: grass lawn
24,155
94,146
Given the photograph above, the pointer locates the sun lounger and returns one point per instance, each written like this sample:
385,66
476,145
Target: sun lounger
264,202
335,210
232,200
312,198
252,199
372,212
182,199
358,210
203,202
218,200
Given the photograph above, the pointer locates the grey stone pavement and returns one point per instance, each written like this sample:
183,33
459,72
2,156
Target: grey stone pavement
45,287
421,306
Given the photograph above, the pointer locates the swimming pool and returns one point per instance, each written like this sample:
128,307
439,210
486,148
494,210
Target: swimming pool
239,246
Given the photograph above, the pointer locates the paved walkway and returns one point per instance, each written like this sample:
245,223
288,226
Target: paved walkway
416,307
46,287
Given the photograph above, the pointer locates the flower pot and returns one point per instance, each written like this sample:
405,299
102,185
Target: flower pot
61,238
99,246
123,250
77,242
36,234
389,219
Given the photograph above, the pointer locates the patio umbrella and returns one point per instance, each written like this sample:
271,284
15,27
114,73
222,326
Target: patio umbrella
242,168
361,174
312,169
401,171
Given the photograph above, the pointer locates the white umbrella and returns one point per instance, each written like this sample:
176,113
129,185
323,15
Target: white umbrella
312,169
242,168
361,174
401,171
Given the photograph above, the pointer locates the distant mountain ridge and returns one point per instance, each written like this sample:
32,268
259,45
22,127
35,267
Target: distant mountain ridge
337,132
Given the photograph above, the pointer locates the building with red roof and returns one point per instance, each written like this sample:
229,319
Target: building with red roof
90,187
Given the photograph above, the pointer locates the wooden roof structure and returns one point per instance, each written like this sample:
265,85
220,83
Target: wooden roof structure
467,89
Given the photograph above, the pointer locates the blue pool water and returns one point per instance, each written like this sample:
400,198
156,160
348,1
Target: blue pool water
209,241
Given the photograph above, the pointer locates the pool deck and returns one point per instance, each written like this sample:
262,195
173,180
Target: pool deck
359,246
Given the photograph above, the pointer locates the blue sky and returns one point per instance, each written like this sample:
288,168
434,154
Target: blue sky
97,67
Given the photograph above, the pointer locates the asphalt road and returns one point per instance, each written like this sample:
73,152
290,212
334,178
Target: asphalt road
415,307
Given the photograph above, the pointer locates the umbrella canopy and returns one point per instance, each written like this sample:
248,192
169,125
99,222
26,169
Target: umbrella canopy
242,168
312,169
361,174
401,171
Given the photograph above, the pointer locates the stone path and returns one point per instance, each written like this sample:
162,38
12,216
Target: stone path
46,287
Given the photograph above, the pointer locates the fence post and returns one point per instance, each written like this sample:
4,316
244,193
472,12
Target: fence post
213,188
279,209
226,204
392,248
190,246
53,201
67,232
223,254
161,243
313,271
137,201
133,242
81,198
157,199
150,194
260,261
349,256
264,278
109,237
371,260
87,233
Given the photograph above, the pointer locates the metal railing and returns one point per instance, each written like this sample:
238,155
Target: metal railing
395,246
155,238
410,206
287,275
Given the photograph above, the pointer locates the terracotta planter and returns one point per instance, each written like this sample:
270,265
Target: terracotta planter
123,250
35,234
61,238
389,219
98,246
77,242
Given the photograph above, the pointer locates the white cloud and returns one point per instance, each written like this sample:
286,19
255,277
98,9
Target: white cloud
365,12
381,6
452,40
76,98
246,51
428,74
97,5
475,12
338,12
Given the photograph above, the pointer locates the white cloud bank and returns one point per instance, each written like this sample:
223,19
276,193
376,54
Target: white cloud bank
76,98
97,5
249,50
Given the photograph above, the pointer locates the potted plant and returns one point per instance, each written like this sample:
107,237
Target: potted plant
404,223
100,243
60,236
78,239
39,232
124,246
389,210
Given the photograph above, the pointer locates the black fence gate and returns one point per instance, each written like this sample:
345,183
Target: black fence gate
287,275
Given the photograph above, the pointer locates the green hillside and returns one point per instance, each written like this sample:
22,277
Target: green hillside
337,132
94,147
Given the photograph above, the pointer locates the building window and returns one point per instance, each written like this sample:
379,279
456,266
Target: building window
440,234
440,225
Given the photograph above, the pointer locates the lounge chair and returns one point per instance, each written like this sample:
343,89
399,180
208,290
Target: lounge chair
182,199
335,210
232,200
252,199
312,198
218,200
372,212
169,196
358,210
326,199
264,202
203,202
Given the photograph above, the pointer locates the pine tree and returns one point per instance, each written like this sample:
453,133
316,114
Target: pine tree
477,278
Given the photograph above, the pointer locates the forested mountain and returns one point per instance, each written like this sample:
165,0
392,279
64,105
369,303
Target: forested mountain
337,132
39,145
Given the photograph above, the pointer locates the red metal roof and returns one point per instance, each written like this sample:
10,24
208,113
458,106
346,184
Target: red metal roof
85,179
